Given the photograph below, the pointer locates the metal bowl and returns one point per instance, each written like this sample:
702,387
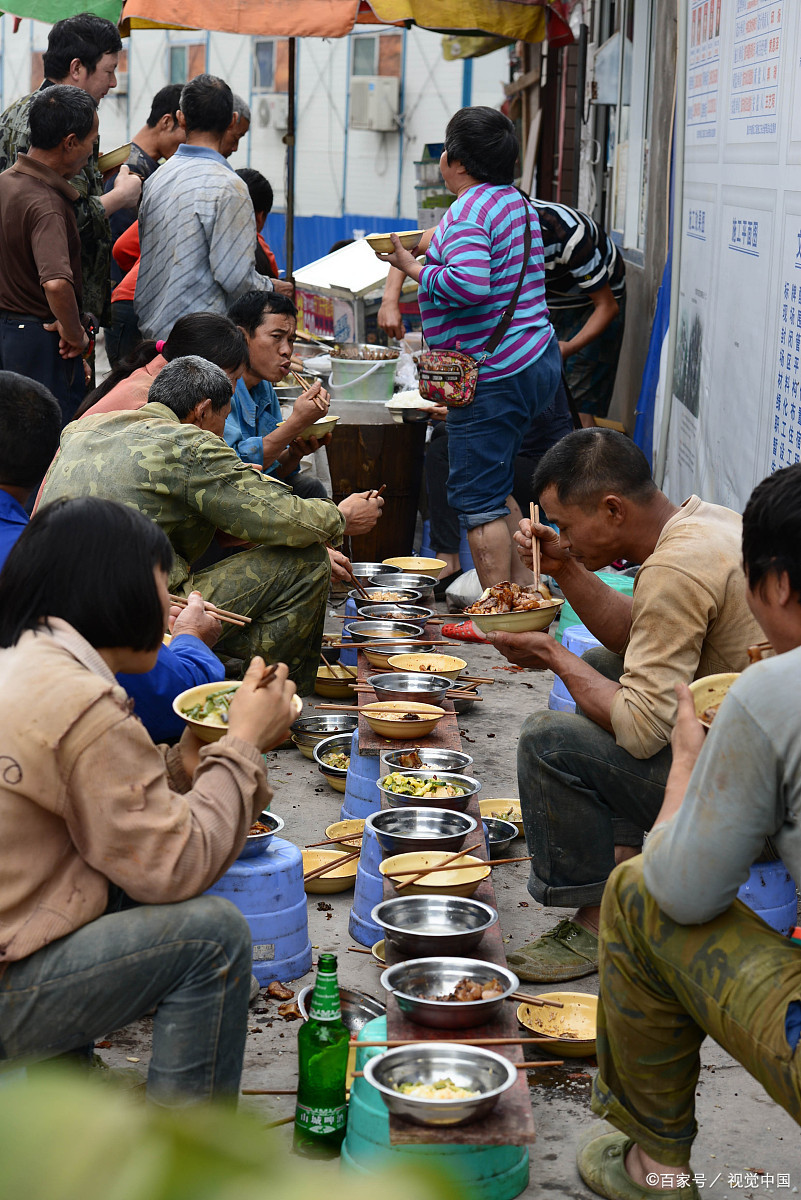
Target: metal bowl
340,741
380,631
411,614
467,787
500,835
471,1067
428,689
407,596
308,731
402,829
257,843
364,571
417,926
424,584
463,705
411,981
433,760
357,1007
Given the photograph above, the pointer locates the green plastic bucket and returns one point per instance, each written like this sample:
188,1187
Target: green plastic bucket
620,583
360,379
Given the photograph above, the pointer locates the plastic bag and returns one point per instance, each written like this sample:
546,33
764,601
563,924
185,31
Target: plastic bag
463,591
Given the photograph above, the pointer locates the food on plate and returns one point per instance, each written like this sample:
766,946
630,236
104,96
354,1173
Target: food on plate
412,760
438,1089
213,709
259,827
470,990
710,713
335,758
511,597
384,597
409,785
504,814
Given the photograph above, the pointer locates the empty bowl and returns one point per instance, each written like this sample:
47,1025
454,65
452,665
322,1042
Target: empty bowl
382,657
308,731
407,685
573,1027
413,719
447,665
399,830
346,835
416,984
417,566
461,879
470,1067
381,631
335,682
501,834
419,926
382,243
338,879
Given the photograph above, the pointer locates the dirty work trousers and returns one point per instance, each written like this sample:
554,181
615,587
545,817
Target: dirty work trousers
582,795
284,590
190,961
664,988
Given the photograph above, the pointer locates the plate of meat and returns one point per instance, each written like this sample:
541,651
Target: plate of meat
708,694
513,608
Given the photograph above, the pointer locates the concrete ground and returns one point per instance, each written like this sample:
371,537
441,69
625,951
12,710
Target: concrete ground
742,1133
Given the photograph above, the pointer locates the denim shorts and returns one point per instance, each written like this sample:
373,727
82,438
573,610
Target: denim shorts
484,437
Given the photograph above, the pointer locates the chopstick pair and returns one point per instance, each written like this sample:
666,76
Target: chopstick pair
350,671
496,862
332,866
417,874
398,641
222,614
534,510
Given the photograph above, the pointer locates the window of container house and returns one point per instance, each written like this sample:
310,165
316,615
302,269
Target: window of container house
270,65
186,60
377,54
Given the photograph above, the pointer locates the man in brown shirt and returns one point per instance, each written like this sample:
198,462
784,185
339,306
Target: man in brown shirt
41,331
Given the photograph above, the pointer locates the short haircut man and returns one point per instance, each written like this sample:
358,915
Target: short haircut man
85,37
166,103
186,382
30,426
591,462
260,189
248,311
57,113
207,104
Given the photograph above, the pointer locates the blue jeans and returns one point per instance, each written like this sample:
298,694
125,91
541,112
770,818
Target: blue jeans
484,438
27,348
190,961
582,795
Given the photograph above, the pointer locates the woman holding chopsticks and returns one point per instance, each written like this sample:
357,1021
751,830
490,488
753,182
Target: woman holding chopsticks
107,841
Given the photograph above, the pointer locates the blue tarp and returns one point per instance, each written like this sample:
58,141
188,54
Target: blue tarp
314,236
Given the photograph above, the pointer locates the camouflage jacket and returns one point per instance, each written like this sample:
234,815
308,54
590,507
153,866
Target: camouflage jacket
93,226
188,481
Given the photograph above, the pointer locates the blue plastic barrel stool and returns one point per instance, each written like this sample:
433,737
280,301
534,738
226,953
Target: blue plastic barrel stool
361,794
578,639
268,891
368,892
769,891
348,657
477,1172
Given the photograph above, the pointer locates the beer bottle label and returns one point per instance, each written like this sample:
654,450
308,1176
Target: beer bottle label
325,998
320,1120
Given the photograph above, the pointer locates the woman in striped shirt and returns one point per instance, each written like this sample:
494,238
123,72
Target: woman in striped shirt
470,274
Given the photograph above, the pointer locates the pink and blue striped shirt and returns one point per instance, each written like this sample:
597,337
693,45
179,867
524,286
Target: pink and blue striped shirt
470,274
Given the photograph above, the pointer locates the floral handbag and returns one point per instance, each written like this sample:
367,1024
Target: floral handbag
449,377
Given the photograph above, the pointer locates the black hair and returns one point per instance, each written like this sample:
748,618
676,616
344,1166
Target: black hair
90,562
589,463
30,427
209,335
249,310
85,37
166,103
484,141
772,528
207,103
59,111
261,192
186,382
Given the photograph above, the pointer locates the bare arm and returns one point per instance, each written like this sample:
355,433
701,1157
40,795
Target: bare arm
603,314
60,296
125,193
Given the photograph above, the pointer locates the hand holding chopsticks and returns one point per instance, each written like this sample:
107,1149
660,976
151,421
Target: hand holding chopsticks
222,614
534,510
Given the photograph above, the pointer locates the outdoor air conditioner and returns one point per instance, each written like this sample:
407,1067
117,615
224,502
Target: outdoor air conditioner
273,111
374,103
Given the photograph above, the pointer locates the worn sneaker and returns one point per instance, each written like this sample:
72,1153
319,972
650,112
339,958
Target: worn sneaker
601,1159
568,951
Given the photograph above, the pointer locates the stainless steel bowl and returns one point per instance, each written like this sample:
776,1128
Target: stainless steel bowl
501,834
257,843
364,571
467,787
341,742
418,926
463,705
311,730
411,614
414,981
408,596
357,1007
380,631
470,1067
433,760
410,685
424,584
399,830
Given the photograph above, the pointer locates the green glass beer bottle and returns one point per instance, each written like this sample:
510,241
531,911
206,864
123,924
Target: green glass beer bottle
322,1069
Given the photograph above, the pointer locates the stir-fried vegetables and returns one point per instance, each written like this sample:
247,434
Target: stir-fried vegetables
410,785
213,710
335,758
438,1089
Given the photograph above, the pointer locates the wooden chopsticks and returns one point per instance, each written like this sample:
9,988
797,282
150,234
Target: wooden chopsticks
497,1041
534,510
398,641
353,674
418,874
535,1000
222,614
331,866
497,862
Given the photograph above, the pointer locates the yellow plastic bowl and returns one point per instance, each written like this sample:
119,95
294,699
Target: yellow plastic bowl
339,879
113,158
318,429
446,665
348,834
711,690
430,715
382,242
383,658
379,952
572,1028
463,880
417,566
334,683
205,731
532,621
496,808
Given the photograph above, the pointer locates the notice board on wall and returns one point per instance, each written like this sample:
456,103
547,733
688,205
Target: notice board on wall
736,403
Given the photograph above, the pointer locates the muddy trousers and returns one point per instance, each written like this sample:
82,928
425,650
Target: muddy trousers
664,988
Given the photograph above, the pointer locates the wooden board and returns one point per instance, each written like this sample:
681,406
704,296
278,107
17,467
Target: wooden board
511,1123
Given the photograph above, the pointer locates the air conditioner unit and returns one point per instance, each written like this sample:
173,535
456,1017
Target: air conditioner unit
273,111
374,103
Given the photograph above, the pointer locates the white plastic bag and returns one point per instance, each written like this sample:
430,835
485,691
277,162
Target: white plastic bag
463,591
